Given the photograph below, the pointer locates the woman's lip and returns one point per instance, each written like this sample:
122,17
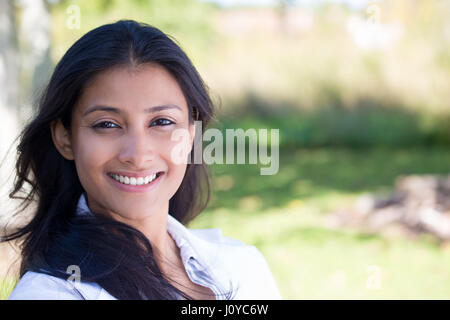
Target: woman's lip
135,175
137,188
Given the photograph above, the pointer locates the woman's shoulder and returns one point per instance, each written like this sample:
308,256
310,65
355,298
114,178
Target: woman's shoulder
242,261
215,235
41,286
230,248
216,239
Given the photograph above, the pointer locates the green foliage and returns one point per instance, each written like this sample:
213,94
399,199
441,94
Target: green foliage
366,123
187,21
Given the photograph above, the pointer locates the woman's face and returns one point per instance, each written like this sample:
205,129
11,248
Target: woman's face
121,137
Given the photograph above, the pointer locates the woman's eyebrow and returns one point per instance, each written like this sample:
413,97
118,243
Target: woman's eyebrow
119,111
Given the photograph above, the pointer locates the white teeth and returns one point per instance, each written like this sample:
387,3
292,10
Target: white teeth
133,180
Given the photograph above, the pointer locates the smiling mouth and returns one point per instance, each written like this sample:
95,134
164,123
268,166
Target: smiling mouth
135,181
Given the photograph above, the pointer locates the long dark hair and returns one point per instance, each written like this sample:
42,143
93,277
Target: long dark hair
113,254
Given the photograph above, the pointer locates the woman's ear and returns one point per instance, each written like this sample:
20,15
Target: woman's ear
61,139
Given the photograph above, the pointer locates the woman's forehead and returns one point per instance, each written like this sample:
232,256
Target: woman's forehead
133,89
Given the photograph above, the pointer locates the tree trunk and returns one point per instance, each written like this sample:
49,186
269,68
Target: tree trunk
9,99
35,53
9,123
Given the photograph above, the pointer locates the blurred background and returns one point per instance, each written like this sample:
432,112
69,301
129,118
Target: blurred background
360,91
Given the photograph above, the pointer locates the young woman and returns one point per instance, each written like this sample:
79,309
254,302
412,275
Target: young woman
112,199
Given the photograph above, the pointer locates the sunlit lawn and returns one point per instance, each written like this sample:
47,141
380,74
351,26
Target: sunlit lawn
284,216
6,286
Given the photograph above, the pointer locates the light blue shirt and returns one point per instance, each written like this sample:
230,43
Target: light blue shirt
210,259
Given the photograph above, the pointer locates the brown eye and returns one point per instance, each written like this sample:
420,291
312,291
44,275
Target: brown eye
162,122
105,125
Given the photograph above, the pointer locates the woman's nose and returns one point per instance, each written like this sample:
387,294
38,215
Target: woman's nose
137,150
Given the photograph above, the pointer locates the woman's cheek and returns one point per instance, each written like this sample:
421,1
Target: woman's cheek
174,179
91,156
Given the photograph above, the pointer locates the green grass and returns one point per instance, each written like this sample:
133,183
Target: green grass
285,217
6,287
319,175
310,261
